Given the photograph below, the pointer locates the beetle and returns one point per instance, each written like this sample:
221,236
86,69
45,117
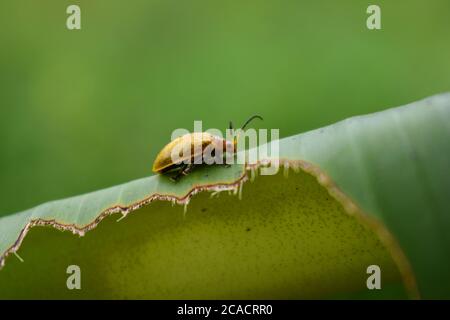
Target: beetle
164,164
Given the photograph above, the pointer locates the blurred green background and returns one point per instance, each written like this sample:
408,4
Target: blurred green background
90,108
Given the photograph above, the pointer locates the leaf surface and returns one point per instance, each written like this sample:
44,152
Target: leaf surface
368,190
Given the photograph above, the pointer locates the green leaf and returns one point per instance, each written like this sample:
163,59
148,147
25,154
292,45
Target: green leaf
367,190
395,165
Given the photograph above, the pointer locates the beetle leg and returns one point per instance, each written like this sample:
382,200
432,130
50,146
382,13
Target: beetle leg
183,171
179,173
187,169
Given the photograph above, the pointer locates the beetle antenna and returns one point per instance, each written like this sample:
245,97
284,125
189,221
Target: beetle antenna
250,119
243,127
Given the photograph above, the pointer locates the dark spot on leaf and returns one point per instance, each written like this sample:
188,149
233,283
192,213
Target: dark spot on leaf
248,229
204,209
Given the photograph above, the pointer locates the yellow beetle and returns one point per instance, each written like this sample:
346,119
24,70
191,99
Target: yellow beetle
164,164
